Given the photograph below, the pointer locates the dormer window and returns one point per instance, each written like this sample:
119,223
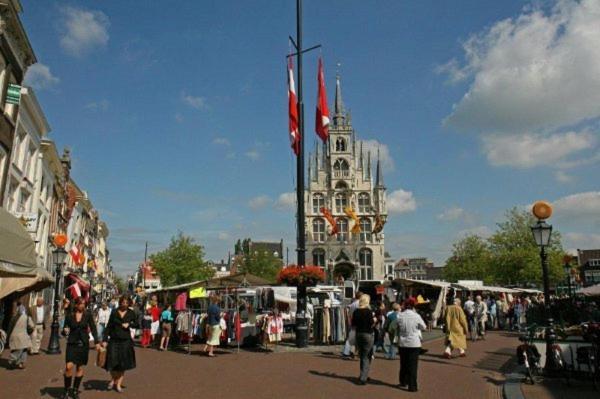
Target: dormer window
341,169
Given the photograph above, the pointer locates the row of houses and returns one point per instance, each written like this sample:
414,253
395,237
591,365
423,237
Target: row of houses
36,186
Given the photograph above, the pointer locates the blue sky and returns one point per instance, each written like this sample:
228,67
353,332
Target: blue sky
176,115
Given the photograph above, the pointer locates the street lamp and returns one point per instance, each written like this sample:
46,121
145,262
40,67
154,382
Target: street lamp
567,267
59,256
542,232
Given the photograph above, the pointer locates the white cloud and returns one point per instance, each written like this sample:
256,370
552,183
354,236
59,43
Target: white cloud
39,77
259,202
481,231
530,150
254,155
563,177
83,30
452,214
178,117
221,141
401,201
101,105
574,241
198,103
387,162
286,201
581,205
539,70
224,236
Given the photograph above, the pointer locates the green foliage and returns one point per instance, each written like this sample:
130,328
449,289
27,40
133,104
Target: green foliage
262,264
509,256
120,284
182,262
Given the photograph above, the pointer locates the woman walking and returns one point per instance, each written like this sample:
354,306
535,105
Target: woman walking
456,329
214,325
19,330
166,318
409,325
78,325
363,321
120,355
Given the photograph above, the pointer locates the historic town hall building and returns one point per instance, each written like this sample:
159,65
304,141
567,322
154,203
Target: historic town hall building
342,190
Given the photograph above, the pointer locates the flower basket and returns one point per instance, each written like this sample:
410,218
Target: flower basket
295,276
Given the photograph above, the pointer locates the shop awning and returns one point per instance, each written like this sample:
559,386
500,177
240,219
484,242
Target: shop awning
39,281
484,288
17,249
593,290
409,282
232,281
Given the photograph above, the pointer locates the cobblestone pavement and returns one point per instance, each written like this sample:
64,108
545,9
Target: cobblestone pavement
559,389
251,374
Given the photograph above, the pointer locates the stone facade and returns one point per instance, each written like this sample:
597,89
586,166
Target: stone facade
340,176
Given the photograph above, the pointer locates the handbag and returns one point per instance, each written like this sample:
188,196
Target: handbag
30,329
101,357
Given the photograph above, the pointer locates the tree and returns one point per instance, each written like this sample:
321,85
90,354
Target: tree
262,264
516,255
182,262
471,259
509,256
120,284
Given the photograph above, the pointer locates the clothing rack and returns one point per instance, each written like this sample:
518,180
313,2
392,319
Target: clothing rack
329,324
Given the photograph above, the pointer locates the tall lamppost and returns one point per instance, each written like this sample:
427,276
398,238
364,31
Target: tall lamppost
59,256
567,266
542,232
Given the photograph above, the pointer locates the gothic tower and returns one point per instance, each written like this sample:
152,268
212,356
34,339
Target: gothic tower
339,177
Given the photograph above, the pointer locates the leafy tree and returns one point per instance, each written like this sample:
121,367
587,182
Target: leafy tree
182,262
120,284
262,264
516,256
471,259
509,256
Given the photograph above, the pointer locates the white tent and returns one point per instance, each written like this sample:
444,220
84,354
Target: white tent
593,290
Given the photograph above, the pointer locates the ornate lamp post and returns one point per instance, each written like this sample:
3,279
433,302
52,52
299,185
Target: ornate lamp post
59,256
542,232
567,263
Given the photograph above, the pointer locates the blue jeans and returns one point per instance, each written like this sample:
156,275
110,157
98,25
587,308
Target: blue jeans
390,350
100,328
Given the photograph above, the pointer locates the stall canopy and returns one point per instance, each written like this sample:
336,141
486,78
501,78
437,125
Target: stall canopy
484,288
232,281
18,263
17,249
441,285
593,290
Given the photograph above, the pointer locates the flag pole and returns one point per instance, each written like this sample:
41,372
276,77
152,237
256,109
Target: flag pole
301,325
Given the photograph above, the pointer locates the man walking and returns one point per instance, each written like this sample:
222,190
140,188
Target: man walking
409,325
469,309
103,315
480,316
390,339
351,340
38,315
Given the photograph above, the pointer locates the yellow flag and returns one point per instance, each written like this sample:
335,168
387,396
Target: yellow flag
351,214
199,292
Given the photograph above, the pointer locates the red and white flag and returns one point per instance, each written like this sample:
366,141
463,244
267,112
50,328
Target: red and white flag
322,117
74,291
293,110
75,254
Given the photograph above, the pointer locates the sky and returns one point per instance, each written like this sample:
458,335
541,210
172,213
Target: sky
177,116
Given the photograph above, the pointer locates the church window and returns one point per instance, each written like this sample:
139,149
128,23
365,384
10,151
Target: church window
340,145
365,230
318,202
319,230
365,259
341,169
319,257
341,185
341,202
364,203
342,235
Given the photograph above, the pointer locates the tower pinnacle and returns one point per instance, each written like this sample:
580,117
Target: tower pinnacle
339,116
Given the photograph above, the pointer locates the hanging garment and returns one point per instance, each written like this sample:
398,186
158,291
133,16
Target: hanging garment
326,325
275,328
181,301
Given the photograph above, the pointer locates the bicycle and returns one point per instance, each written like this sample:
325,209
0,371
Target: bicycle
590,355
529,356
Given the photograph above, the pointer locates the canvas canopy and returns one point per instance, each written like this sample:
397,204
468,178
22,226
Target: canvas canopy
485,288
40,280
17,249
593,290
232,281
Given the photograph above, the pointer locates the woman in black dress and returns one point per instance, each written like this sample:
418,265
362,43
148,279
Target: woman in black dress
78,325
120,355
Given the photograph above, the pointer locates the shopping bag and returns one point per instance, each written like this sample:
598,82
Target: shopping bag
101,357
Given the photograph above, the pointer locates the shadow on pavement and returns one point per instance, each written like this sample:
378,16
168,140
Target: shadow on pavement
53,392
353,380
5,364
96,385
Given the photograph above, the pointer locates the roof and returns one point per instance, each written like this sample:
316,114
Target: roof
487,288
410,282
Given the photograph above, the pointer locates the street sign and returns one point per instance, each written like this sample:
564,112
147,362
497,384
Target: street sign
13,94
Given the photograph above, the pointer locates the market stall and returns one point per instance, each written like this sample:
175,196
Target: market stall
432,301
593,290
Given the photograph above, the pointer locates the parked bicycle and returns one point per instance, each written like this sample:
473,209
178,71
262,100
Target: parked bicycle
588,357
528,355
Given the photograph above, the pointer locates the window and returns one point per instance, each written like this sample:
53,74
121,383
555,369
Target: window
342,229
10,109
319,257
318,202
594,262
319,230
341,202
364,203
365,259
3,163
340,145
341,169
365,230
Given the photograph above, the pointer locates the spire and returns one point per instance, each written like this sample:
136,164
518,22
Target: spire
369,165
378,174
317,156
339,115
309,167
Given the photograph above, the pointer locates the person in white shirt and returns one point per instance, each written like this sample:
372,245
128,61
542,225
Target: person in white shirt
469,308
103,315
38,316
351,340
408,326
